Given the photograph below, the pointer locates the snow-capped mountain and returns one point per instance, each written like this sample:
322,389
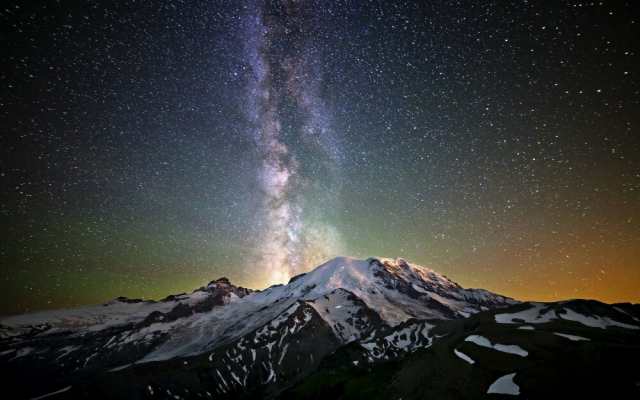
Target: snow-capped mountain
235,341
122,311
389,291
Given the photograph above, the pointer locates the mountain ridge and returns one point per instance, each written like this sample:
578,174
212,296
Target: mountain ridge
232,342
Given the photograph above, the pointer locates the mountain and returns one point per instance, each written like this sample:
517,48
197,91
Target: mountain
370,319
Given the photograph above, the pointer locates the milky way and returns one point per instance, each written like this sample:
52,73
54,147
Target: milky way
290,240
148,147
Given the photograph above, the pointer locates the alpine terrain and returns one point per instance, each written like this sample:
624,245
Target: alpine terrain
350,329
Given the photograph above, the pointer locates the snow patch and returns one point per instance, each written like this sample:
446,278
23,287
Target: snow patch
64,351
44,396
531,315
463,356
120,368
535,315
484,342
505,385
25,351
595,321
571,337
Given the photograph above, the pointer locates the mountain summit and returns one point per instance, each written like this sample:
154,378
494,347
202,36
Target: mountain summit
394,289
227,341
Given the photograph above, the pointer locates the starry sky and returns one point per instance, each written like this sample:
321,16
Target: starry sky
148,147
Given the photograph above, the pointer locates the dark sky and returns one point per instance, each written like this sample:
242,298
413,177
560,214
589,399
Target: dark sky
148,147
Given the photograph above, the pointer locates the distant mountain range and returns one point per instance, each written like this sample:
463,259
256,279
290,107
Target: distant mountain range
375,329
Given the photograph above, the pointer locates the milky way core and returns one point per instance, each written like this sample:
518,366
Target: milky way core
285,78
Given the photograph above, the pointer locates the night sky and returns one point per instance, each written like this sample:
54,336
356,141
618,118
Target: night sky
149,147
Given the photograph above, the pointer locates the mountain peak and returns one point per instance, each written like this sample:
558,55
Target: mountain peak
223,280
393,287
